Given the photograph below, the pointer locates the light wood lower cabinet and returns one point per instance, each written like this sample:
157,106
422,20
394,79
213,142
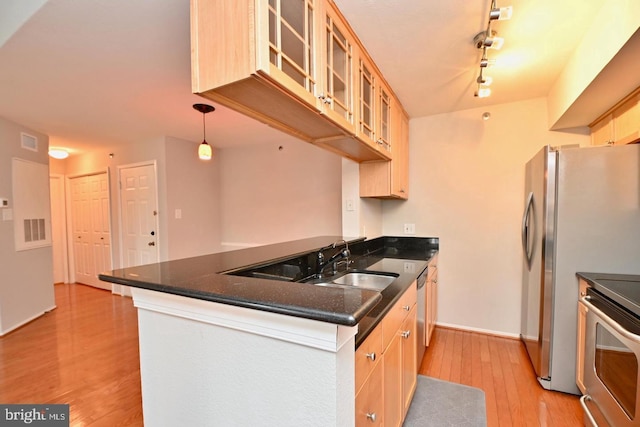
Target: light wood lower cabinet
431,305
582,324
409,361
385,383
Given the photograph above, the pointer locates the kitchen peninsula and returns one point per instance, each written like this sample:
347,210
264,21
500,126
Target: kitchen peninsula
221,348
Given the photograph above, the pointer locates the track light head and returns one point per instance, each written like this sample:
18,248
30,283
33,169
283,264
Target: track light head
501,14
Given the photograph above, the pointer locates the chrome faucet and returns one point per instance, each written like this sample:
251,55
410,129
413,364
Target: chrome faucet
344,253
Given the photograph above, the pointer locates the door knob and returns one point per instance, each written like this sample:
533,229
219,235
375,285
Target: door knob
152,243
153,233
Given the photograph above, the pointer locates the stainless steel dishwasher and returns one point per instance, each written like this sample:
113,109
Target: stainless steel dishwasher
422,313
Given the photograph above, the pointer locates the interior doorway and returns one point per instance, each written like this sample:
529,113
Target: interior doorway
139,214
90,225
58,228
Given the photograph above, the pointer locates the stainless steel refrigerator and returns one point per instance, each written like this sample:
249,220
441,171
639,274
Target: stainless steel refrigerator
582,213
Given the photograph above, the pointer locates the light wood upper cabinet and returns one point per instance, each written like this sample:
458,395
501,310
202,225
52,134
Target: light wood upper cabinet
338,91
620,125
390,179
288,63
602,131
626,121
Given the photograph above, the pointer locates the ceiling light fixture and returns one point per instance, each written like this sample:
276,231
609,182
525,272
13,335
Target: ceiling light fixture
205,152
488,39
58,153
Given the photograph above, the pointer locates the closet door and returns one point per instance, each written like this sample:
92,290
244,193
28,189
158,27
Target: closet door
91,229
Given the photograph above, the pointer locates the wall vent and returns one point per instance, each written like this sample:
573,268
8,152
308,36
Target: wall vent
29,142
34,230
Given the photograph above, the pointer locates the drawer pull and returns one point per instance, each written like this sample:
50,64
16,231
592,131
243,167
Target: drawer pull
405,334
371,356
406,307
371,416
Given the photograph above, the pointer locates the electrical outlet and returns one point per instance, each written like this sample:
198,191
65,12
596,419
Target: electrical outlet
409,229
409,267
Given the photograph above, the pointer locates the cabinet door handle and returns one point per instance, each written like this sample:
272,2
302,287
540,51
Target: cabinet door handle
406,307
372,356
371,416
405,334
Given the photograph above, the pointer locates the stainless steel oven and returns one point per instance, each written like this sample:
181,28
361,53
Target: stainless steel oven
612,355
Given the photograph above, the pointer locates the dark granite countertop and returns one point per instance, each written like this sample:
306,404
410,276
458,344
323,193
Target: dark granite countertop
201,277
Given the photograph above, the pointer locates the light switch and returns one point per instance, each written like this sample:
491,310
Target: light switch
178,214
349,205
7,214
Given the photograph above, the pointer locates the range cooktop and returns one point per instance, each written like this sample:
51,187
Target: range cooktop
622,289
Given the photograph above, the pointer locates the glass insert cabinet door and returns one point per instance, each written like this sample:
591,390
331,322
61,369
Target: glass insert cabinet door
338,62
367,97
291,41
384,118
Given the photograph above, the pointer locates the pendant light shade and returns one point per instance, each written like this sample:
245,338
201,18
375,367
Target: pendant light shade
205,152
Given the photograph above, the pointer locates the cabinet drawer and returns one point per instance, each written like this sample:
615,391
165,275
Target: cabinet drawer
369,400
368,355
393,320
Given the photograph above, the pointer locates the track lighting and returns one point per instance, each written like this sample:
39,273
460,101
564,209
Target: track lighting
500,14
486,40
484,62
205,152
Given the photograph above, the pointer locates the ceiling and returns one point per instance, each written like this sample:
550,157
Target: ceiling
118,71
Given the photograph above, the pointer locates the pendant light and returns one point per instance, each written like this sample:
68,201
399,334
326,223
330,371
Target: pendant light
205,152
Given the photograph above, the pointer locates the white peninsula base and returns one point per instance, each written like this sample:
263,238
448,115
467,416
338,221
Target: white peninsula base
209,364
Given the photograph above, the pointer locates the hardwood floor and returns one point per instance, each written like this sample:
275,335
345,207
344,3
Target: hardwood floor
500,367
85,353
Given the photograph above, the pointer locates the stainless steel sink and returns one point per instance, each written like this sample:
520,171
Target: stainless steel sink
373,281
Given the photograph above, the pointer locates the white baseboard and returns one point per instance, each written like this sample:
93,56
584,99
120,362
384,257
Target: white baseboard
479,330
24,322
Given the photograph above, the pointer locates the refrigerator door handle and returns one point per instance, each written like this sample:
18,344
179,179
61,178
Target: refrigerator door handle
527,232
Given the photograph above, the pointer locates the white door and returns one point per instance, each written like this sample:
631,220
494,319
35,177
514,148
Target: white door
139,210
58,229
91,229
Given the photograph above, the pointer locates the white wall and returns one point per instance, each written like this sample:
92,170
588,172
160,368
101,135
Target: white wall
26,286
366,217
270,195
466,183
193,187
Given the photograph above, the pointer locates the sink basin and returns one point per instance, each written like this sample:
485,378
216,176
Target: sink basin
373,281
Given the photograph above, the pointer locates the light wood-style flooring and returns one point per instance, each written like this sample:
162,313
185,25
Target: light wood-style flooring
85,353
501,368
